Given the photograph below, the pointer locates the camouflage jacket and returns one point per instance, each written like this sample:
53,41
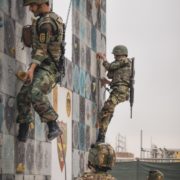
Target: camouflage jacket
119,71
96,176
47,35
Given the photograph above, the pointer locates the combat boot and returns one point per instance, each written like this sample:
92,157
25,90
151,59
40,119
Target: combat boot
23,132
101,137
54,130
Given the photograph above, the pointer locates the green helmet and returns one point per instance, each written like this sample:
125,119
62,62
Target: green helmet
28,2
101,157
155,175
120,50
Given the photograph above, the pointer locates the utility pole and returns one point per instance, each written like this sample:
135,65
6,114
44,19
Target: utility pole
141,143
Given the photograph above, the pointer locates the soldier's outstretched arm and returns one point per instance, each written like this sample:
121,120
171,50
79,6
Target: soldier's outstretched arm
116,64
102,57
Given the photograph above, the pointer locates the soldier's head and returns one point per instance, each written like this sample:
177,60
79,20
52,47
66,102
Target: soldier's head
101,157
119,51
155,175
37,7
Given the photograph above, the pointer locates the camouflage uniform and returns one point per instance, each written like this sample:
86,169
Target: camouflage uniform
155,175
101,159
119,71
47,33
97,176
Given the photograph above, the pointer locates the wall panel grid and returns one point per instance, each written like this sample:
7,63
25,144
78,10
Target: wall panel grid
88,38
76,102
18,161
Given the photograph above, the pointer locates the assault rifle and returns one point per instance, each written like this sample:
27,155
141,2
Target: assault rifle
132,81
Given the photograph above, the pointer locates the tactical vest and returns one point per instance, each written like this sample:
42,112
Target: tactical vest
121,76
56,39
96,176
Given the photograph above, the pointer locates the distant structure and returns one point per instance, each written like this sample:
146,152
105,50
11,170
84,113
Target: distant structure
121,153
120,143
158,154
164,153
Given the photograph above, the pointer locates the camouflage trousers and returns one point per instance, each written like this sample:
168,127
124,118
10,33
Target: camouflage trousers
118,95
96,176
35,95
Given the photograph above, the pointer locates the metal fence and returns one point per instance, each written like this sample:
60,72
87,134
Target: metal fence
139,169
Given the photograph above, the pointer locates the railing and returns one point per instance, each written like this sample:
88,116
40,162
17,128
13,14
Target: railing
158,160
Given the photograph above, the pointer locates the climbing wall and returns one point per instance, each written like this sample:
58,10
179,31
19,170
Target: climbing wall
88,38
81,96
77,100
19,161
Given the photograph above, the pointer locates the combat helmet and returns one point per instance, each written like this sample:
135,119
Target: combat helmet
120,50
155,175
101,157
28,2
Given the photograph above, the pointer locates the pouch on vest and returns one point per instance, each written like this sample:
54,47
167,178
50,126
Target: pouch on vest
27,35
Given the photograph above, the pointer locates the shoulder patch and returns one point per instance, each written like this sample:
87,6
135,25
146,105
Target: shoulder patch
42,37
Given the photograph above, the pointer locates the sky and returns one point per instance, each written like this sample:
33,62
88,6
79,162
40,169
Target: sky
150,30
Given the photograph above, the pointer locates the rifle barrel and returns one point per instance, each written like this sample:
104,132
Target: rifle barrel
131,113
131,100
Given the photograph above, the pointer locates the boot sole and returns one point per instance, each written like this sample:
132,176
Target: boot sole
54,135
